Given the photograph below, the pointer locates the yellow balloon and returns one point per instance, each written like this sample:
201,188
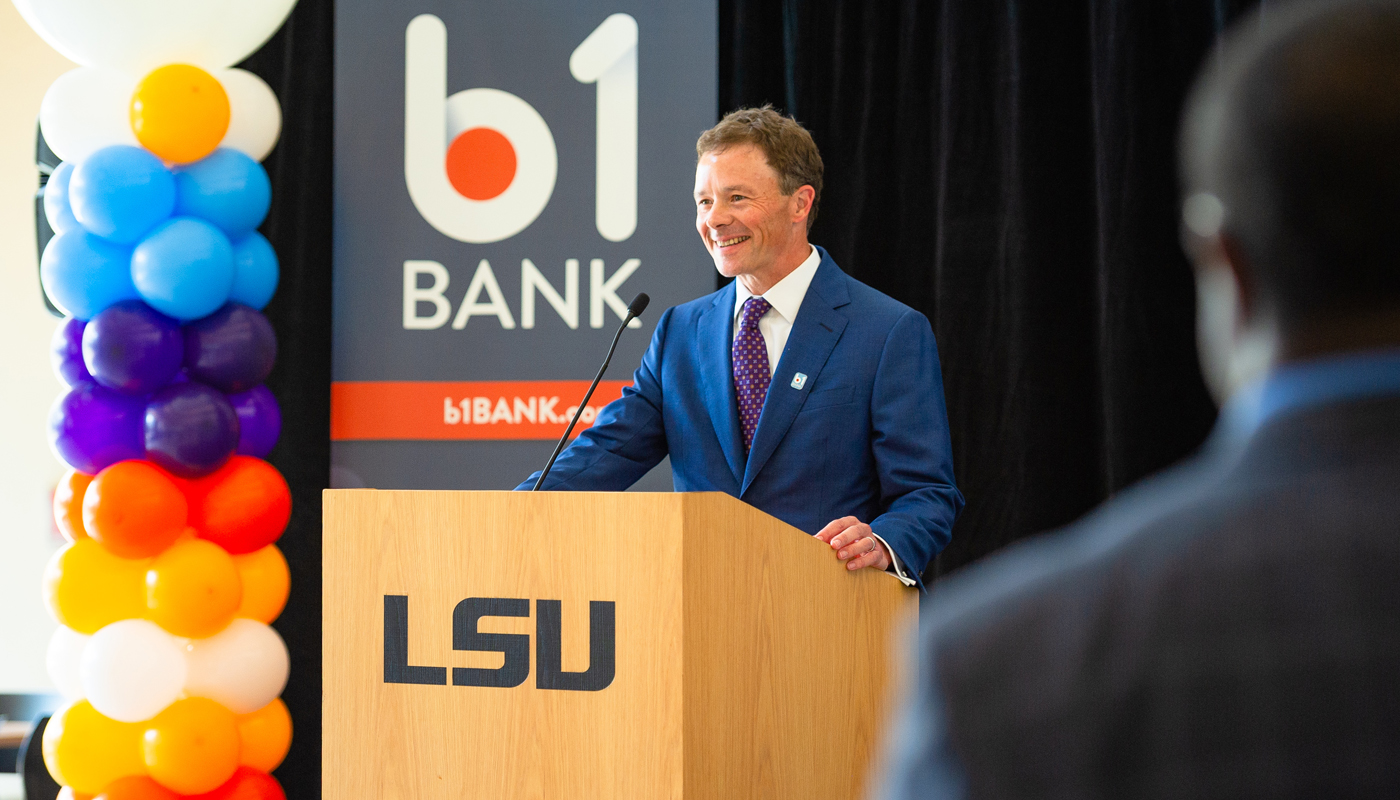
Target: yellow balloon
180,113
266,582
192,746
87,751
266,735
67,793
87,588
193,589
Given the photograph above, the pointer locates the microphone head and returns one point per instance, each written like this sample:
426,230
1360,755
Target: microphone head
638,304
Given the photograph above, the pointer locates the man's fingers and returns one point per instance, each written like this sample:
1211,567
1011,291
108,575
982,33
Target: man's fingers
836,526
871,558
846,543
845,540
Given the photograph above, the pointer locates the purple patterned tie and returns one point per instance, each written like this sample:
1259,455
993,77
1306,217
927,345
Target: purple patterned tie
751,375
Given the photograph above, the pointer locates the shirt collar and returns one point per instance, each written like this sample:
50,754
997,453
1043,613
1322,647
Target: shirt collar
1303,385
786,295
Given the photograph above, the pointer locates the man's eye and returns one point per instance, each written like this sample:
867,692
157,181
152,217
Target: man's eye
736,198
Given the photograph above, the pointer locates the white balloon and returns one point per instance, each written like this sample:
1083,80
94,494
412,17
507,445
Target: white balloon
133,669
255,116
86,110
64,657
244,667
139,35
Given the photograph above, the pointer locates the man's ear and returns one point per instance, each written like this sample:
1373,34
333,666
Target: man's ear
1231,255
802,200
1236,335
1222,253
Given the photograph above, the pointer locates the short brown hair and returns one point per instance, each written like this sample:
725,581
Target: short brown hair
785,143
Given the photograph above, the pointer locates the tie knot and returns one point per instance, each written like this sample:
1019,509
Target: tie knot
754,307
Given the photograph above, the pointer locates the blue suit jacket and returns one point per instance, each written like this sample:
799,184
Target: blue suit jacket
865,435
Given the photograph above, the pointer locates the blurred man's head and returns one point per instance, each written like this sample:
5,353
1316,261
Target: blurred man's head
1290,155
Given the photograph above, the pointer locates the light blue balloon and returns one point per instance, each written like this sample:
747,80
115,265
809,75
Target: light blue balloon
254,271
56,208
227,188
83,274
184,268
121,192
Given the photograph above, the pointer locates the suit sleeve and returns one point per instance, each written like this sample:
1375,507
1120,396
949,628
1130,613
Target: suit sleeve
627,439
912,448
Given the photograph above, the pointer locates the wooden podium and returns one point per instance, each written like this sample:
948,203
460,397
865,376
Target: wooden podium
596,645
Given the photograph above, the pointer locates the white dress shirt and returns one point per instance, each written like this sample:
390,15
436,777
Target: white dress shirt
785,297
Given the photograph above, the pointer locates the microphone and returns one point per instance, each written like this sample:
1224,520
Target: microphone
634,310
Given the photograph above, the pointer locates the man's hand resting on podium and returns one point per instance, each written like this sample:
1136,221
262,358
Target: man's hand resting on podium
855,543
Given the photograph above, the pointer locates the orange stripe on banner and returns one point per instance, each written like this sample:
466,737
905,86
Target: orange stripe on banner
443,410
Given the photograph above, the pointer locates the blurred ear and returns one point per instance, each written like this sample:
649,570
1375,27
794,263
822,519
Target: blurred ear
1236,336
1231,256
1223,252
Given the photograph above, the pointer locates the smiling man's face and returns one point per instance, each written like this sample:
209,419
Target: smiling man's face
752,230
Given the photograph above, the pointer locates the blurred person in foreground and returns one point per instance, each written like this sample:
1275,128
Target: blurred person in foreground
1230,628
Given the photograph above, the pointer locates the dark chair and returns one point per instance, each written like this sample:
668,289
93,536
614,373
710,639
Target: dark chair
28,760
38,784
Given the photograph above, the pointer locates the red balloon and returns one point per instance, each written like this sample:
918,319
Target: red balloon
242,507
246,784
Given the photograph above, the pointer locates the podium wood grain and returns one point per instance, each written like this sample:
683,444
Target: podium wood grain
749,663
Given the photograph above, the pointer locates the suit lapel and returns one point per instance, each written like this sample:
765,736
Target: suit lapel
815,332
715,335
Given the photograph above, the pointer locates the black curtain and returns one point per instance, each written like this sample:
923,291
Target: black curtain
1006,168
298,64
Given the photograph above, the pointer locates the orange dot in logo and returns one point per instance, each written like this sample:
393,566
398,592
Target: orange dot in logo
480,163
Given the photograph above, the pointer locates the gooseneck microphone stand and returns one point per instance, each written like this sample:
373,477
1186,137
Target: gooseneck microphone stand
634,310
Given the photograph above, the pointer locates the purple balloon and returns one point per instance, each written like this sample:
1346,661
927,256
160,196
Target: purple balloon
191,429
92,428
259,421
66,352
232,349
133,348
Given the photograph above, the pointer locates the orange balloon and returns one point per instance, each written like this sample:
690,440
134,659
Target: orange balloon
180,113
266,735
266,583
88,751
193,589
134,509
68,504
136,788
243,507
87,588
192,746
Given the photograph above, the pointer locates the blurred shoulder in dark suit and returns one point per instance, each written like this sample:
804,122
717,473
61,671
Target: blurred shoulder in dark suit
1230,628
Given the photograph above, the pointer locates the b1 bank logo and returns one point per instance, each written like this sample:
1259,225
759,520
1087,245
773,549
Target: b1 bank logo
481,164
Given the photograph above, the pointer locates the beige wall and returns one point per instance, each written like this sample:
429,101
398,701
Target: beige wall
28,469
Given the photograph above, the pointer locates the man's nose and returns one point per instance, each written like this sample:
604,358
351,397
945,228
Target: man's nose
718,217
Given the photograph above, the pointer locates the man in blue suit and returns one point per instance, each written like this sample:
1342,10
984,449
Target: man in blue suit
795,388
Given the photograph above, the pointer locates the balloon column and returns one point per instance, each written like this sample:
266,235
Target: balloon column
170,579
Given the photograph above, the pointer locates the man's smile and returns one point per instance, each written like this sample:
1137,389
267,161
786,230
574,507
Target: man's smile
730,242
